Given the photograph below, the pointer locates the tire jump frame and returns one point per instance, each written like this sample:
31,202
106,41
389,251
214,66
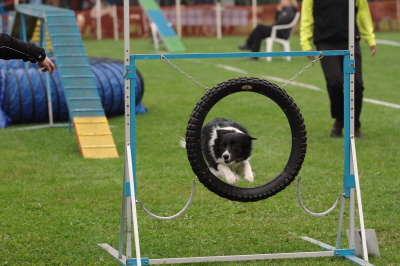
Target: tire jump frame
350,180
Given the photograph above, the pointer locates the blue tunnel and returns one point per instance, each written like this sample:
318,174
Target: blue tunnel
23,94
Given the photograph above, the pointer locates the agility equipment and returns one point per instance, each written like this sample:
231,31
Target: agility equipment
76,76
24,92
195,125
350,181
128,207
160,25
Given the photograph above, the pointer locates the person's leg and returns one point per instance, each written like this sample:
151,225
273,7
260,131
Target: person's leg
332,67
250,39
255,38
259,34
358,86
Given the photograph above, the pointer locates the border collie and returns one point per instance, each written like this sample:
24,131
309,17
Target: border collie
227,146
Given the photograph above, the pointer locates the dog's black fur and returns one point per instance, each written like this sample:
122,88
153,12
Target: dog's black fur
227,147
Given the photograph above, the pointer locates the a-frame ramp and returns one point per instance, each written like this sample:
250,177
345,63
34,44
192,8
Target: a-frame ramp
167,33
84,104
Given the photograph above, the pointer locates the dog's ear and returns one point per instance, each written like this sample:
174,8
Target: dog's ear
250,137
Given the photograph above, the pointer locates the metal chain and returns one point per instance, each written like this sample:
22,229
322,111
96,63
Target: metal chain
162,57
175,215
315,213
318,57
165,60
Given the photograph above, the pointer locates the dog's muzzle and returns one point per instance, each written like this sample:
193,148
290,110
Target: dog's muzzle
226,156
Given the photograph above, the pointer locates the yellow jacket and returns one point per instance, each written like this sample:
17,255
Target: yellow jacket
363,20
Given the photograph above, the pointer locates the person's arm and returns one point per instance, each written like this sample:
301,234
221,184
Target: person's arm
12,48
365,25
306,25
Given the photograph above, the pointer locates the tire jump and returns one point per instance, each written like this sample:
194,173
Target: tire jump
298,133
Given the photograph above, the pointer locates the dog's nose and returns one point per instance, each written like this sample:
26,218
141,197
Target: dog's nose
226,156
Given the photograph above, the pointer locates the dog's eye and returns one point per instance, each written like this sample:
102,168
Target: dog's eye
235,146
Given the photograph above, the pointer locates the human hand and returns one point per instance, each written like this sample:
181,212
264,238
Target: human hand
311,56
374,49
46,65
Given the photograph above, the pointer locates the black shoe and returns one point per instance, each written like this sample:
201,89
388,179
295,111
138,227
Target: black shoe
358,134
243,47
337,129
336,133
253,58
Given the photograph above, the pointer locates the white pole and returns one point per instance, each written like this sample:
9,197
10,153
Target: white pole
133,204
351,49
353,162
218,19
254,12
128,200
360,209
115,22
98,20
178,18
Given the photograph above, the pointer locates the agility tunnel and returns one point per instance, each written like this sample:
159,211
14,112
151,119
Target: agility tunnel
23,94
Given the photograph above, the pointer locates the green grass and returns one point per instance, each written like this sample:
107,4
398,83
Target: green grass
56,206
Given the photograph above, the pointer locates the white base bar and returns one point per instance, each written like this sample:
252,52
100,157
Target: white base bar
122,260
244,257
353,259
113,252
329,253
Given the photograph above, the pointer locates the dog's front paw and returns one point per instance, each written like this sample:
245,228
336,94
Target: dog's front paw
232,179
249,177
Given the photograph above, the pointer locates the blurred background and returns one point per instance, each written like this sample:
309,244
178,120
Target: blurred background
197,17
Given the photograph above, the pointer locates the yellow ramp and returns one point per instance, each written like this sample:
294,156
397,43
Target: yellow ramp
94,137
36,37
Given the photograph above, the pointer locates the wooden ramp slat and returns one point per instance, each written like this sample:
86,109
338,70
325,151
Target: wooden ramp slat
94,137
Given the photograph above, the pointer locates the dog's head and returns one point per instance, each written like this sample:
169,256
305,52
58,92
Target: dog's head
233,146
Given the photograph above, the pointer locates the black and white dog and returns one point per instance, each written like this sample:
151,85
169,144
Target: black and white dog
227,147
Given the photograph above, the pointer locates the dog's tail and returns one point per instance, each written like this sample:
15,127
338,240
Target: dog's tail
182,143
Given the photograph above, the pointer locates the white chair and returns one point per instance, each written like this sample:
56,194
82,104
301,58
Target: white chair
285,44
154,34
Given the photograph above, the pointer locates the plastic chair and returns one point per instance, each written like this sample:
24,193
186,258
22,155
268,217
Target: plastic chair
285,44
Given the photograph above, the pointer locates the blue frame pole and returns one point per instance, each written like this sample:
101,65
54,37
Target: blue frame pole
132,118
348,180
237,55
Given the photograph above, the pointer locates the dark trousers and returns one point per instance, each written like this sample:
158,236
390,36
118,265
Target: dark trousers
257,35
332,67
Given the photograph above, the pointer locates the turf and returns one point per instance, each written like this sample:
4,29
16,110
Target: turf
56,206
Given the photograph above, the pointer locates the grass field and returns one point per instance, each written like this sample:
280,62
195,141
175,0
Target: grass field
56,206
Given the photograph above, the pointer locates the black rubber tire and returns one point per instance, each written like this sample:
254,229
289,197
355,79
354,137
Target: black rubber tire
298,131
